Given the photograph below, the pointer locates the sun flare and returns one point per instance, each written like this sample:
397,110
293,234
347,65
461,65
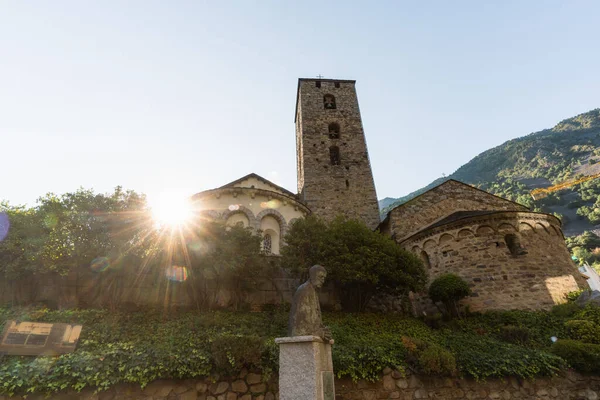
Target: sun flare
171,210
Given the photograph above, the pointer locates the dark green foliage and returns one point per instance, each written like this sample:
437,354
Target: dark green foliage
582,330
483,357
359,261
515,334
584,357
565,310
449,289
429,358
232,352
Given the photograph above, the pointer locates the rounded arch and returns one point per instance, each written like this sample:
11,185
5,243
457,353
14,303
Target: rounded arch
465,233
556,230
416,249
484,230
283,226
237,209
541,227
505,227
445,238
525,227
429,244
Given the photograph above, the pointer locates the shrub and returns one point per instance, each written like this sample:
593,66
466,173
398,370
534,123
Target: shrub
436,360
586,331
584,357
514,334
429,358
233,352
589,313
565,310
449,289
360,262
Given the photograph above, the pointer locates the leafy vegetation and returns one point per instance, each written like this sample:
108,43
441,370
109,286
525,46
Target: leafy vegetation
359,261
449,289
118,347
112,237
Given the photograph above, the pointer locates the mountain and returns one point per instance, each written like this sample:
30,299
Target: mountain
568,151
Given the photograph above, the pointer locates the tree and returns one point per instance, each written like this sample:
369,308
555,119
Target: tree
360,262
449,289
222,256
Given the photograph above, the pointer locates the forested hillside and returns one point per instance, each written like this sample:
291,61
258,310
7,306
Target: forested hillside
512,170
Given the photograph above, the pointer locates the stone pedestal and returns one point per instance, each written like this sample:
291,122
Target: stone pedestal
305,368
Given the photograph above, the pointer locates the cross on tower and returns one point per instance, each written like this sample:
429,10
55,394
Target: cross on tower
320,76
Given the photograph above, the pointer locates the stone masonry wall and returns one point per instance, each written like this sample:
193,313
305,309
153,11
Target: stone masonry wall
439,202
330,190
476,249
393,385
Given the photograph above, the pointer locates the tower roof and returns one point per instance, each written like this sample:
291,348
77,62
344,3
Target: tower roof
300,80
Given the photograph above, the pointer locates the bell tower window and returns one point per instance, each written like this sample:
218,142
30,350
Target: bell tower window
334,155
334,131
329,102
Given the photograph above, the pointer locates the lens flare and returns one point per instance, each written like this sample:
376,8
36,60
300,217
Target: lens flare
4,225
176,273
171,209
100,264
270,204
234,207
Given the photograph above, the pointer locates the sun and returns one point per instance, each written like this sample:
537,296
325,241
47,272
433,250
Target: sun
171,209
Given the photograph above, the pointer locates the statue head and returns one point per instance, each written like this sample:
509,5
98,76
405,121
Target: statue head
317,275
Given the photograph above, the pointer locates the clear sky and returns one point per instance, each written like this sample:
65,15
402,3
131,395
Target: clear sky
185,96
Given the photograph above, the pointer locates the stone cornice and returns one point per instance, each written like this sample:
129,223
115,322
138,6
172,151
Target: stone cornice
493,218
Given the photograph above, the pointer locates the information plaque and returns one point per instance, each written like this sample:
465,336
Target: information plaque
37,338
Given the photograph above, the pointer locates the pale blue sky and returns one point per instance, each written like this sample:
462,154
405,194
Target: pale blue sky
187,95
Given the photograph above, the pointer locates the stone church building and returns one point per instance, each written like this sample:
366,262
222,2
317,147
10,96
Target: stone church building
512,258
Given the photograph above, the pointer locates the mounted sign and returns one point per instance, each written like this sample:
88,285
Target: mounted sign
37,338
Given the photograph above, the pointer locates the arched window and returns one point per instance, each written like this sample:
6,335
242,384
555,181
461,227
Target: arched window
334,155
425,259
329,102
334,130
514,245
267,244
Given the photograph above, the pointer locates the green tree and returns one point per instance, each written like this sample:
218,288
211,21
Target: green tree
359,261
449,289
221,256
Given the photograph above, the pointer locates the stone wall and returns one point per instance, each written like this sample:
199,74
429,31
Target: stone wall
331,189
535,276
393,385
449,197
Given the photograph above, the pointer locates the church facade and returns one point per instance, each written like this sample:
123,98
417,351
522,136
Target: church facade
512,257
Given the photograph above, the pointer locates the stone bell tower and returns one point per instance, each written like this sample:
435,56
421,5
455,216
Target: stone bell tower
334,172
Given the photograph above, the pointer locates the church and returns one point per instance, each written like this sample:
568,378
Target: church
511,257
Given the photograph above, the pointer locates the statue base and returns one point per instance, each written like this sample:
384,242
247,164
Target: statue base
305,368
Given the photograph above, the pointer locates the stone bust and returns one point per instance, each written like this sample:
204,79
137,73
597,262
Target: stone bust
305,314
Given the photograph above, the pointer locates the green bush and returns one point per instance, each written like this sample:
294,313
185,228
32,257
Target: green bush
515,334
429,358
435,360
449,289
233,352
589,313
565,310
586,331
584,357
